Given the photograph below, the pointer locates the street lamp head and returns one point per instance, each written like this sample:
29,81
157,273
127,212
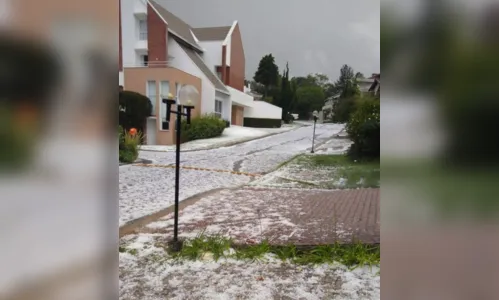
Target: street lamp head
188,98
169,101
316,115
188,95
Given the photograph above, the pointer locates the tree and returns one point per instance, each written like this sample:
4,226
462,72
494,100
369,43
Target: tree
267,73
346,78
305,81
309,98
359,75
347,86
321,80
286,95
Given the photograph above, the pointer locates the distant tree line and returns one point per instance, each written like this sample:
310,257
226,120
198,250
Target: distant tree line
303,94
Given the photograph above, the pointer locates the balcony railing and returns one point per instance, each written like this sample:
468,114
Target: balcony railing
149,64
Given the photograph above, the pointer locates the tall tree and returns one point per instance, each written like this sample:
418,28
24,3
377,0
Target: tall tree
309,98
286,97
346,83
267,73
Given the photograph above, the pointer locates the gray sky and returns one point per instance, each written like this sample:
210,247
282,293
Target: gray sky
314,36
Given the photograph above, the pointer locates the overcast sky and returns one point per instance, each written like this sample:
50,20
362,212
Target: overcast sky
314,36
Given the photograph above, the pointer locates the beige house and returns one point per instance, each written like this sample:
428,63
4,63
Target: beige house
159,53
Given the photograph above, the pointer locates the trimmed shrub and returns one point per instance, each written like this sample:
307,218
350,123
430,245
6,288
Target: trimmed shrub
204,127
134,110
364,130
128,146
262,123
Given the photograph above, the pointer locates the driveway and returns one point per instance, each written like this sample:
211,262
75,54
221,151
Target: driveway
145,190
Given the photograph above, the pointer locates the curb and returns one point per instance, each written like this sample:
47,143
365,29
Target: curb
138,161
130,227
232,143
133,226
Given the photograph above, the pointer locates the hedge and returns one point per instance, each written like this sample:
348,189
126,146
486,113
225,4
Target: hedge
262,123
134,110
204,127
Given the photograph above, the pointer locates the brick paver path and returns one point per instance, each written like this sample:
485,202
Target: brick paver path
302,217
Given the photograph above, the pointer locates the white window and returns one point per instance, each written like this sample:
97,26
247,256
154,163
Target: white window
218,108
151,94
164,90
143,30
178,86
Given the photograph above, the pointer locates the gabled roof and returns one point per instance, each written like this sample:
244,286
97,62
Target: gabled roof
211,33
176,26
194,56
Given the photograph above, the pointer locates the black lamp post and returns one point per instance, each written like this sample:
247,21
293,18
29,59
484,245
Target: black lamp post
181,110
313,136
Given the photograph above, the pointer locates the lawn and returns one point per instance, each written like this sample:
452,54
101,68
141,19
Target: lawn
325,172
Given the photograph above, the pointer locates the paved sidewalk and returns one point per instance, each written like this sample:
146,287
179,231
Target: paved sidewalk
231,136
301,217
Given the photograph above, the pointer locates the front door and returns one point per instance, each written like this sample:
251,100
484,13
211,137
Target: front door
234,115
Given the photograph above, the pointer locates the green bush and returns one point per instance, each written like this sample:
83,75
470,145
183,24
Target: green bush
134,110
128,146
343,109
364,129
204,127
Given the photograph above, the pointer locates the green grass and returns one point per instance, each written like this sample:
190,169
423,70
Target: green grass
352,255
344,172
130,251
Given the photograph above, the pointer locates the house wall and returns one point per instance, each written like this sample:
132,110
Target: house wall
263,110
136,80
212,54
226,105
224,65
182,62
130,27
157,39
240,98
237,60
229,50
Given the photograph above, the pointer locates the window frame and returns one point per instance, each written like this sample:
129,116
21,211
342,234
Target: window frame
143,30
162,116
218,113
